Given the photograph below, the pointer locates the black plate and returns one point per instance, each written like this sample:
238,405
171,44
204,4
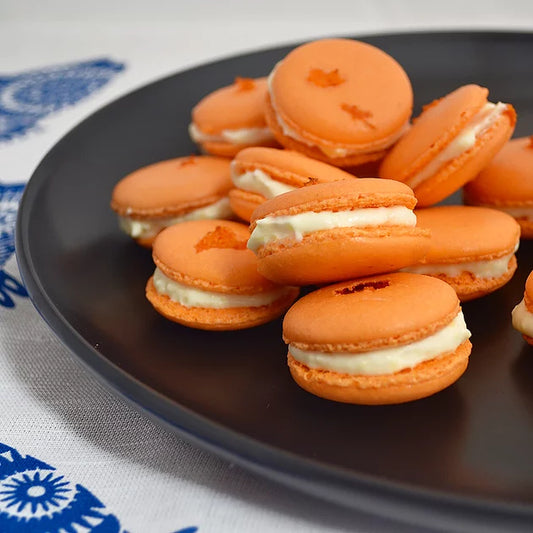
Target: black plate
460,459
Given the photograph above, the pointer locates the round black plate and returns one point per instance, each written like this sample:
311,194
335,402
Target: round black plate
460,459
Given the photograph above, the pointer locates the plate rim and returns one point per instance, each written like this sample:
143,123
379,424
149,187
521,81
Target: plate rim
273,462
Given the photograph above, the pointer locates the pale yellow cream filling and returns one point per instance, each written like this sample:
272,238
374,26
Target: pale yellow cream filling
388,360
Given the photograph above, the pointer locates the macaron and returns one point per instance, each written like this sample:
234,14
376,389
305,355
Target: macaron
523,312
263,173
172,191
206,278
506,183
452,140
334,231
472,248
232,118
339,100
376,340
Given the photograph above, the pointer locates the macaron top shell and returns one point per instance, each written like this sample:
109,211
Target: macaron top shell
370,313
465,234
363,94
436,127
210,255
508,179
237,106
172,187
339,196
287,166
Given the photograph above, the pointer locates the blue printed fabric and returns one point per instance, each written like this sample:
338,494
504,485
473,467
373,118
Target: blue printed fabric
9,286
35,498
27,97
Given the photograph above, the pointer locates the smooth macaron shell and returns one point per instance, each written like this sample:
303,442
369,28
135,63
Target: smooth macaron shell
507,182
172,188
211,255
437,126
364,97
374,313
346,252
235,107
465,235
284,166
528,300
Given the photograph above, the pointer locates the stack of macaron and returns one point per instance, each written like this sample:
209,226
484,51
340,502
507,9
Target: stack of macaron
274,204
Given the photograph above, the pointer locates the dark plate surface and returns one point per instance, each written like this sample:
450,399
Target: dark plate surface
460,459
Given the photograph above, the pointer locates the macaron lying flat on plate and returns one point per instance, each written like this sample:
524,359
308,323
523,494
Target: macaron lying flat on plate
232,118
342,101
172,191
339,230
449,143
507,184
263,173
472,248
523,312
377,340
205,278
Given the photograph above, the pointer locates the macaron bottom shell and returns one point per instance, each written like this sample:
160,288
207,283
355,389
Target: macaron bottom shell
469,287
226,149
425,379
342,253
244,203
211,319
526,228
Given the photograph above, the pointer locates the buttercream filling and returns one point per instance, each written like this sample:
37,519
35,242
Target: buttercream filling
192,297
465,140
274,228
238,136
388,360
148,228
492,268
329,151
523,319
259,182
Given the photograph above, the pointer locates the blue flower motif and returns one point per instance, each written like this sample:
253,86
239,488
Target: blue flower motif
34,498
27,97
9,200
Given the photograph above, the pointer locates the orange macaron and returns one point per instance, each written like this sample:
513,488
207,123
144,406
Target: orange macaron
205,278
376,340
507,184
172,191
339,100
523,312
232,118
260,174
472,248
339,230
449,143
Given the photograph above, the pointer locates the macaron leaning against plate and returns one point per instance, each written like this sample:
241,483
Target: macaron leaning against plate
380,340
523,312
166,193
339,100
452,140
232,118
263,173
472,248
334,231
205,278
507,184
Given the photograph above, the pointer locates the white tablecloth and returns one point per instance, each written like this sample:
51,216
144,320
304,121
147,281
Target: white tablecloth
70,451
